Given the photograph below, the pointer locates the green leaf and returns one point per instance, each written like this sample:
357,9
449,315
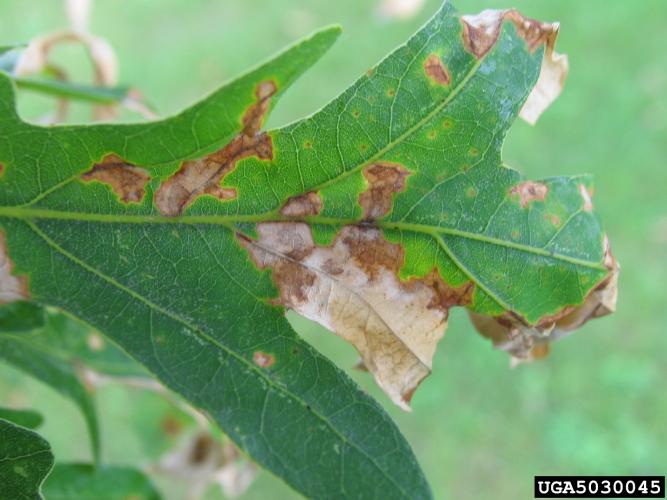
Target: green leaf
84,482
39,362
21,316
184,240
25,460
25,418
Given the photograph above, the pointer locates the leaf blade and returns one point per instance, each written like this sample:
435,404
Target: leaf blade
84,481
25,460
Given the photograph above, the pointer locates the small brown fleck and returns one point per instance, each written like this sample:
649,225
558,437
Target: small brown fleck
307,145
447,124
203,176
356,113
554,219
125,179
302,206
171,426
436,70
263,360
432,135
384,180
2,168
473,152
391,92
529,191
471,192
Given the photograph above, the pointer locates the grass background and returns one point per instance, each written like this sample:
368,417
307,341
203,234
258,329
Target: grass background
598,404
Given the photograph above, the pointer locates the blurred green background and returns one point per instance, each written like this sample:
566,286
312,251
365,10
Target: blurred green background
598,404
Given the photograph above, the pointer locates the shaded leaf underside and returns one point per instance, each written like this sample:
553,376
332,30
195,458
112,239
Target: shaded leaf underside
375,216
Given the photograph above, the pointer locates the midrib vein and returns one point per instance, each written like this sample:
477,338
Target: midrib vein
29,213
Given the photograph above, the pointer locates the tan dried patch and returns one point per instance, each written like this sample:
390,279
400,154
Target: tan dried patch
384,180
529,342
125,179
530,191
203,176
12,288
353,289
263,359
481,32
586,196
435,69
302,206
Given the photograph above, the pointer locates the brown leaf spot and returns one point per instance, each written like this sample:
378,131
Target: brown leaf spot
125,179
352,287
481,31
586,196
302,206
12,288
202,448
435,69
2,168
203,176
263,360
384,180
447,296
530,191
